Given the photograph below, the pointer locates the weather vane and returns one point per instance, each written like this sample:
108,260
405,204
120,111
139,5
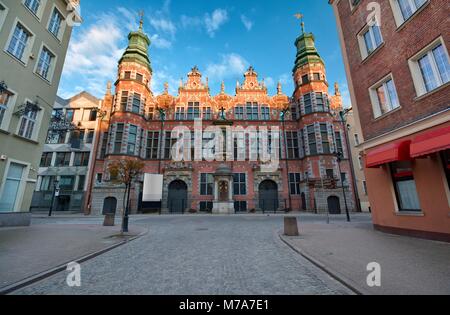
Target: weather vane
300,16
141,22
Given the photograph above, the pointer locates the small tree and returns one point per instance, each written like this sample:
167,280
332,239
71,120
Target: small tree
126,172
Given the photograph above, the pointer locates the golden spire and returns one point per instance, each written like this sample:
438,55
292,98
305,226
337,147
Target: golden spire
141,21
300,16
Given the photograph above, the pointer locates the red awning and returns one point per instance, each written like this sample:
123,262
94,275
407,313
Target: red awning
431,142
392,152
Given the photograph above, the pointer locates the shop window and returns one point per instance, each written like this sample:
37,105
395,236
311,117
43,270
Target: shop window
405,186
446,161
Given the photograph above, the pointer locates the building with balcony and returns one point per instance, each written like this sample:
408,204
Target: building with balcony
34,37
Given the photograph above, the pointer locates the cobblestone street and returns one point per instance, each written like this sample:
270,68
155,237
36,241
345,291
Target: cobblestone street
199,255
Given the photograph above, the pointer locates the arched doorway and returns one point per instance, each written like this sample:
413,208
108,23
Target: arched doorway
334,205
177,200
110,206
268,196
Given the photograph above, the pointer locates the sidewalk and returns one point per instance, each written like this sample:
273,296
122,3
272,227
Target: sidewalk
408,265
30,251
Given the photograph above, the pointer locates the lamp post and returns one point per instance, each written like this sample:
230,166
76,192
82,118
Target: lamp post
55,187
339,157
342,115
283,118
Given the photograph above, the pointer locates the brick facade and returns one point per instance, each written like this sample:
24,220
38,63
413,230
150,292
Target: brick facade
319,114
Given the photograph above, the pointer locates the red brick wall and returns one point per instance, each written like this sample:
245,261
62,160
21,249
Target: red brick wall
400,45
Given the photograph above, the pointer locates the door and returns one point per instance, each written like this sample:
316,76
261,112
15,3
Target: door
334,205
268,196
110,206
177,200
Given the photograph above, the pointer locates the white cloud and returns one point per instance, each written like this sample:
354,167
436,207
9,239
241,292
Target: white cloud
162,76
159,42
247,22
191,21
214,21
163,25
231,65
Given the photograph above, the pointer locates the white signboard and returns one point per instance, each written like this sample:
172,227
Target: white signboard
153,188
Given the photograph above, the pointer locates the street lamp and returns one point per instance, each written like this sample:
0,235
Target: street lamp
340,157
283,118
55,188
342,115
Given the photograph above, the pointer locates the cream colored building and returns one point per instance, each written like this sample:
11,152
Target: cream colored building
355,140
34,37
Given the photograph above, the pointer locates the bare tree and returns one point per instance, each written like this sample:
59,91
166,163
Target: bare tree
126,172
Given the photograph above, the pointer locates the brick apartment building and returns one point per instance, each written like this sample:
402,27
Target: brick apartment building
398,72
138,125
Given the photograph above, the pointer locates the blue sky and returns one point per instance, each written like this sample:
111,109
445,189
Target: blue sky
221,37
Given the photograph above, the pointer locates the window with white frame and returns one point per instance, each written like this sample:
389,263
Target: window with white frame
33,5
45,64
405,9
384,97
4,100
18,42
28,124
180,113
430,68
12,187
370,39
55,24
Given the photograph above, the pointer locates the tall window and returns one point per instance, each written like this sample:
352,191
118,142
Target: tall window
371,39
46,159
325,139
169,143
81,159
207,114
239,113
294,183
152,145
320,102
62,159
239,184
132,137
292,145
27,124
139,77
93,115
312,140
47,183
206,184
19,42
118,140
33,5
4,99
55,22
265,113
136,104
123,101
405,186
90,136
104,145
193,110
305,79
386,97
45,63
179,114
435,68
409,7
338,137
127,75
70,114
252,111
81,182
151,113
308,104
294,112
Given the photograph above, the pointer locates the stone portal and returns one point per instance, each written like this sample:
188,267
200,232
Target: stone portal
223,194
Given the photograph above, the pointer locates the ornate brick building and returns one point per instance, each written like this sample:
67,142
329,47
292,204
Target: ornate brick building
138,125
